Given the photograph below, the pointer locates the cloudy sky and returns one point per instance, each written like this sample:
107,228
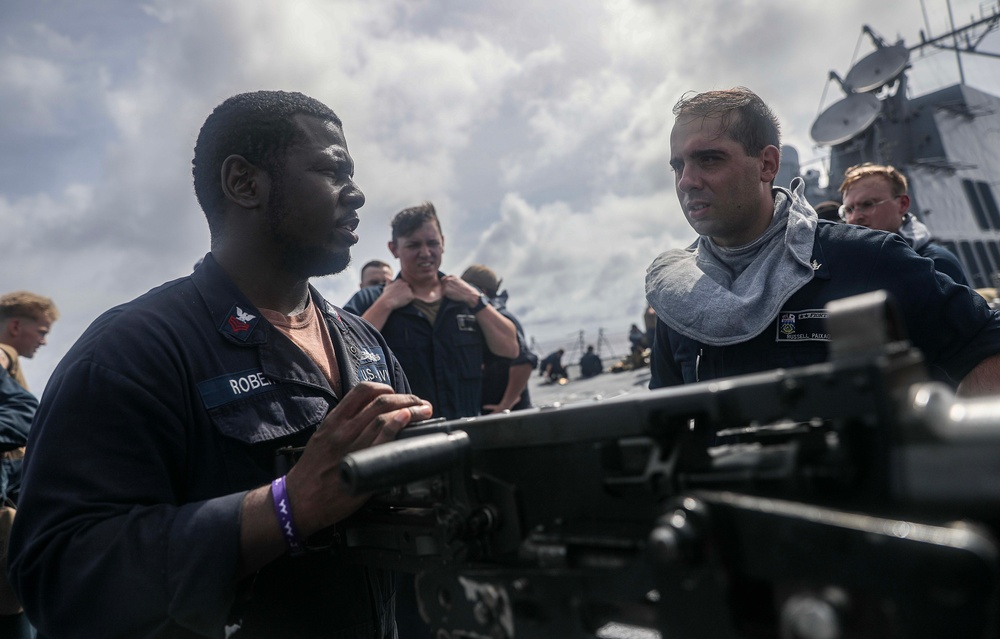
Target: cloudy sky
539,128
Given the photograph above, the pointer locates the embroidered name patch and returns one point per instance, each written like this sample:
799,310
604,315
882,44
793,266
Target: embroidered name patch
227,388
371,364
802,326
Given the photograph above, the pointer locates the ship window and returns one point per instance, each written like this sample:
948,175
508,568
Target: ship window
995,253
990,268
986,195
972,265
972,194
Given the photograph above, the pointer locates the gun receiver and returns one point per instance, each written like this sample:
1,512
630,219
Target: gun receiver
852,498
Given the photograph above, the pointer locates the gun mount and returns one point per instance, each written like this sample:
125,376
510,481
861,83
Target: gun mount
853,498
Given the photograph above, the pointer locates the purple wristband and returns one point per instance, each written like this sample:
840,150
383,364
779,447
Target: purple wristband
283,509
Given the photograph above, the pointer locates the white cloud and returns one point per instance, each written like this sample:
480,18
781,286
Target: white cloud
539,129
582,266
29,87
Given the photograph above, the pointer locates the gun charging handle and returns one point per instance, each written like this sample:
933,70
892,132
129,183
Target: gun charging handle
399,462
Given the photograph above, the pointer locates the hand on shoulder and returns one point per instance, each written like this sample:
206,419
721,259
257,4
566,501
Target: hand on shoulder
397,293
457,289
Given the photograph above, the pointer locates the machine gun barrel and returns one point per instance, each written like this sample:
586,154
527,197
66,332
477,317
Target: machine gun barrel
398,462
852,493
950,418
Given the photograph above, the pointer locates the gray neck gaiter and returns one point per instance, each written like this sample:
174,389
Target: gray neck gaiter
722,296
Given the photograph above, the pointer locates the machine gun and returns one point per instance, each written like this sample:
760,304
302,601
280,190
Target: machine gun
853,498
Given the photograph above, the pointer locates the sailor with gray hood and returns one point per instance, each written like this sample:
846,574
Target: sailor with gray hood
750,293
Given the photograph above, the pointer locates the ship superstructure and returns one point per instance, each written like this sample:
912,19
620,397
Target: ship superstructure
946,142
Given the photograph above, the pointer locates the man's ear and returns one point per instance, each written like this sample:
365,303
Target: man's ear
243,183
392,248
14,326
904,204
770,159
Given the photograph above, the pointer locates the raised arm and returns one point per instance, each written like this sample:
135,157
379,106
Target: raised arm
396,294
499,332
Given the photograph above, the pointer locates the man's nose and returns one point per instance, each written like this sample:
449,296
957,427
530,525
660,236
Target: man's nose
688,180
353,197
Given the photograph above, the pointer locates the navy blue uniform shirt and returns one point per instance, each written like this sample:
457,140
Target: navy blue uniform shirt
496,369
945,262
152,429
443,362
951,324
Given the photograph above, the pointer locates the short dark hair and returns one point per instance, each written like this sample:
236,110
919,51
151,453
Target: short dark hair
743,115
483,278
409,220
257,126
375,264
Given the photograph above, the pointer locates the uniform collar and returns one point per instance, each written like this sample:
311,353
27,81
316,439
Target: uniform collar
233,315
329,311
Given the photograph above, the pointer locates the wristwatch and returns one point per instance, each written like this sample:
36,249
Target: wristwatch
481,304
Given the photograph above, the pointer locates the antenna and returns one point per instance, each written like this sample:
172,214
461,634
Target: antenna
855,113
601,339
877,68
577,348
845,119
958,54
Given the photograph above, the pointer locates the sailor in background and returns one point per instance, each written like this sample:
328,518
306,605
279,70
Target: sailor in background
875,197
505,381
437,325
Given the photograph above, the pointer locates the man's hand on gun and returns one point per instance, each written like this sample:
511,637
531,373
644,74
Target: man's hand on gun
369,414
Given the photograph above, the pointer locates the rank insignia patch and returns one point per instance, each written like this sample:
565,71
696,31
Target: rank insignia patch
239,323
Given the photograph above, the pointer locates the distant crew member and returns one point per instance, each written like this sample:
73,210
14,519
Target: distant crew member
25,321
437,325
375,273
590,363
875,196
551,367
505,381
829,210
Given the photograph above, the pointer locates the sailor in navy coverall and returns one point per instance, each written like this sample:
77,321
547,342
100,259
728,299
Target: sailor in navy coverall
444,361
749,294
952,326
151,504
437,325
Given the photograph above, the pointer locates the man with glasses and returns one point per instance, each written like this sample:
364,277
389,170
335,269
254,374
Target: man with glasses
875,196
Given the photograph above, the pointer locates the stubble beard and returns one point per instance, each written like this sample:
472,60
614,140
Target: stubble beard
303,261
